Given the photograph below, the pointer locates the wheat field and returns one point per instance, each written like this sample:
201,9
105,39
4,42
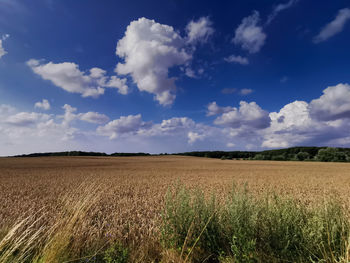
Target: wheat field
122,198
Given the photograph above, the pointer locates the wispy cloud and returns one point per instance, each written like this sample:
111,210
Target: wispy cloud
279,8
237,59
334,27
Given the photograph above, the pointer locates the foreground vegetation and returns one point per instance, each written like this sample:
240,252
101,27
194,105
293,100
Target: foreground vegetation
242,228
194,227
103,209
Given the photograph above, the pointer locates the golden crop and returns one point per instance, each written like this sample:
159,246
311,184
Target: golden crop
121,198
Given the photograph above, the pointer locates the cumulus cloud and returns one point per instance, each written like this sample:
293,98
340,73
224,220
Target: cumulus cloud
237,59
93,117
70,115
334,27
279,8
69,77
289,126
323,121
131,124
44,104
249,115
2,50
334,104
25,119
193,137
249,35
25,132
200,30
149,50
214,109
179,129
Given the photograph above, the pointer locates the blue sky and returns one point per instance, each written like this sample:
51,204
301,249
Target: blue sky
170,76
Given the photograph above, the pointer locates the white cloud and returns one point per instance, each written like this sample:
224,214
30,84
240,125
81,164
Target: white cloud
214,109
45,105
237,59
25,119
249,35
334,27
2,50
334,104
118,83
68,76
93,117
193,137
249,115
124,125
245,92
287,126
199,31
300,123
279,8
25,132
323,121
70,115
149,50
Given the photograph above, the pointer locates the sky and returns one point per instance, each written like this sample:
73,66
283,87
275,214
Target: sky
172,76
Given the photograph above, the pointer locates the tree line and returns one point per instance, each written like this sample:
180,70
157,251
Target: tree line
323,154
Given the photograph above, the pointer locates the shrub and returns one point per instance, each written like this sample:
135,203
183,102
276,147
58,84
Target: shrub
301,156
116,254
331,155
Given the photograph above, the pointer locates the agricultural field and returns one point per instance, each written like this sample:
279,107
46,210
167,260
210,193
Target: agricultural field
94,209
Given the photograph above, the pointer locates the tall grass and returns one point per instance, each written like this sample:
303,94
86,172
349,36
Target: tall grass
36,238
243,228
194,227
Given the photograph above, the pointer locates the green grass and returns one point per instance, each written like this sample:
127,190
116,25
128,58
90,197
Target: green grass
246,229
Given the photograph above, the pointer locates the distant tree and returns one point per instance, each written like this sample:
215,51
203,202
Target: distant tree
278,158
259,157
326,155
331,155
301,156
340,157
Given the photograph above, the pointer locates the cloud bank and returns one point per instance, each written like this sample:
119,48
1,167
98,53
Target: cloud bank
322,121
